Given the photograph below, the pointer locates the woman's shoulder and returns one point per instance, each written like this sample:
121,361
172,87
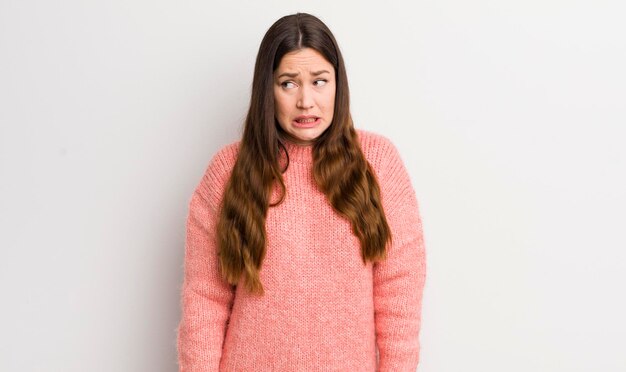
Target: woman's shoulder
378,149
216,173
220,166
224,159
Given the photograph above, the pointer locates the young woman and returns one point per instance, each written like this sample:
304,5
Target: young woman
304,242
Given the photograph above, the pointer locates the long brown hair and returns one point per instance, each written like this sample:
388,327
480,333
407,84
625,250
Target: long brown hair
339,167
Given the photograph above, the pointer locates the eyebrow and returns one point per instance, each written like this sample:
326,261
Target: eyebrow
293,75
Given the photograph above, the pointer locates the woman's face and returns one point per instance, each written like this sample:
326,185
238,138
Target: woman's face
304,94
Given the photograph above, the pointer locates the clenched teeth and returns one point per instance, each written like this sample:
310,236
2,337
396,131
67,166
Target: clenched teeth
309,120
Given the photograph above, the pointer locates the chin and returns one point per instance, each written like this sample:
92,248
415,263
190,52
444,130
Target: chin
306,135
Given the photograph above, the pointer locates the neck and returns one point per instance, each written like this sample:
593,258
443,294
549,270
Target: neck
298,151
288,138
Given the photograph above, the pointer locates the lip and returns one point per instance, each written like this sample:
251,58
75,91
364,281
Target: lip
306,125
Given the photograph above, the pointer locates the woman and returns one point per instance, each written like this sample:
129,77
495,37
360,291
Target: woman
304,241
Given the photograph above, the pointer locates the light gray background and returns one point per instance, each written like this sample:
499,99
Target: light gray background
508,114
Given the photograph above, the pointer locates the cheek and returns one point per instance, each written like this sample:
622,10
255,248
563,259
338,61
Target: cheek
282,111
331,96
329,101
279,105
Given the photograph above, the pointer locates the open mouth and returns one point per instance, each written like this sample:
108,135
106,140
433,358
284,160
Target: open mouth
307,120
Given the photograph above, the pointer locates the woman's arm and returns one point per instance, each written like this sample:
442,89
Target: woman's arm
206,298
399,280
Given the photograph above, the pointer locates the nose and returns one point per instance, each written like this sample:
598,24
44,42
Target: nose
305,98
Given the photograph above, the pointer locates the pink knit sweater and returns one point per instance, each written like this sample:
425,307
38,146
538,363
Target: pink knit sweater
323,309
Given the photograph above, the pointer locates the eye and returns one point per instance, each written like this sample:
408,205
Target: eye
321,82
287,84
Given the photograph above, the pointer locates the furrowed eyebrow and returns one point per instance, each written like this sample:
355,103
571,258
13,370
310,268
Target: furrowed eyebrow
288,75
293,75
320,72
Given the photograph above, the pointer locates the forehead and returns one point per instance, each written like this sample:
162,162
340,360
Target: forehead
306,59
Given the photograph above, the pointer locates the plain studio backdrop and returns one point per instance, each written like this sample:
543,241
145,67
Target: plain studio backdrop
509,116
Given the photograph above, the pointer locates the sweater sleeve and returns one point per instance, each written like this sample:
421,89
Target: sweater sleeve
206,299
399,280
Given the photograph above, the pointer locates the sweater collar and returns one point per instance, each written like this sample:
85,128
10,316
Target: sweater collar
299,153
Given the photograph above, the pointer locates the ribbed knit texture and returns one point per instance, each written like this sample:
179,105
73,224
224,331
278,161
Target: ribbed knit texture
323,309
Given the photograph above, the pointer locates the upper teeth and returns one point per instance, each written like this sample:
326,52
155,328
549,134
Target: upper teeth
308,120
